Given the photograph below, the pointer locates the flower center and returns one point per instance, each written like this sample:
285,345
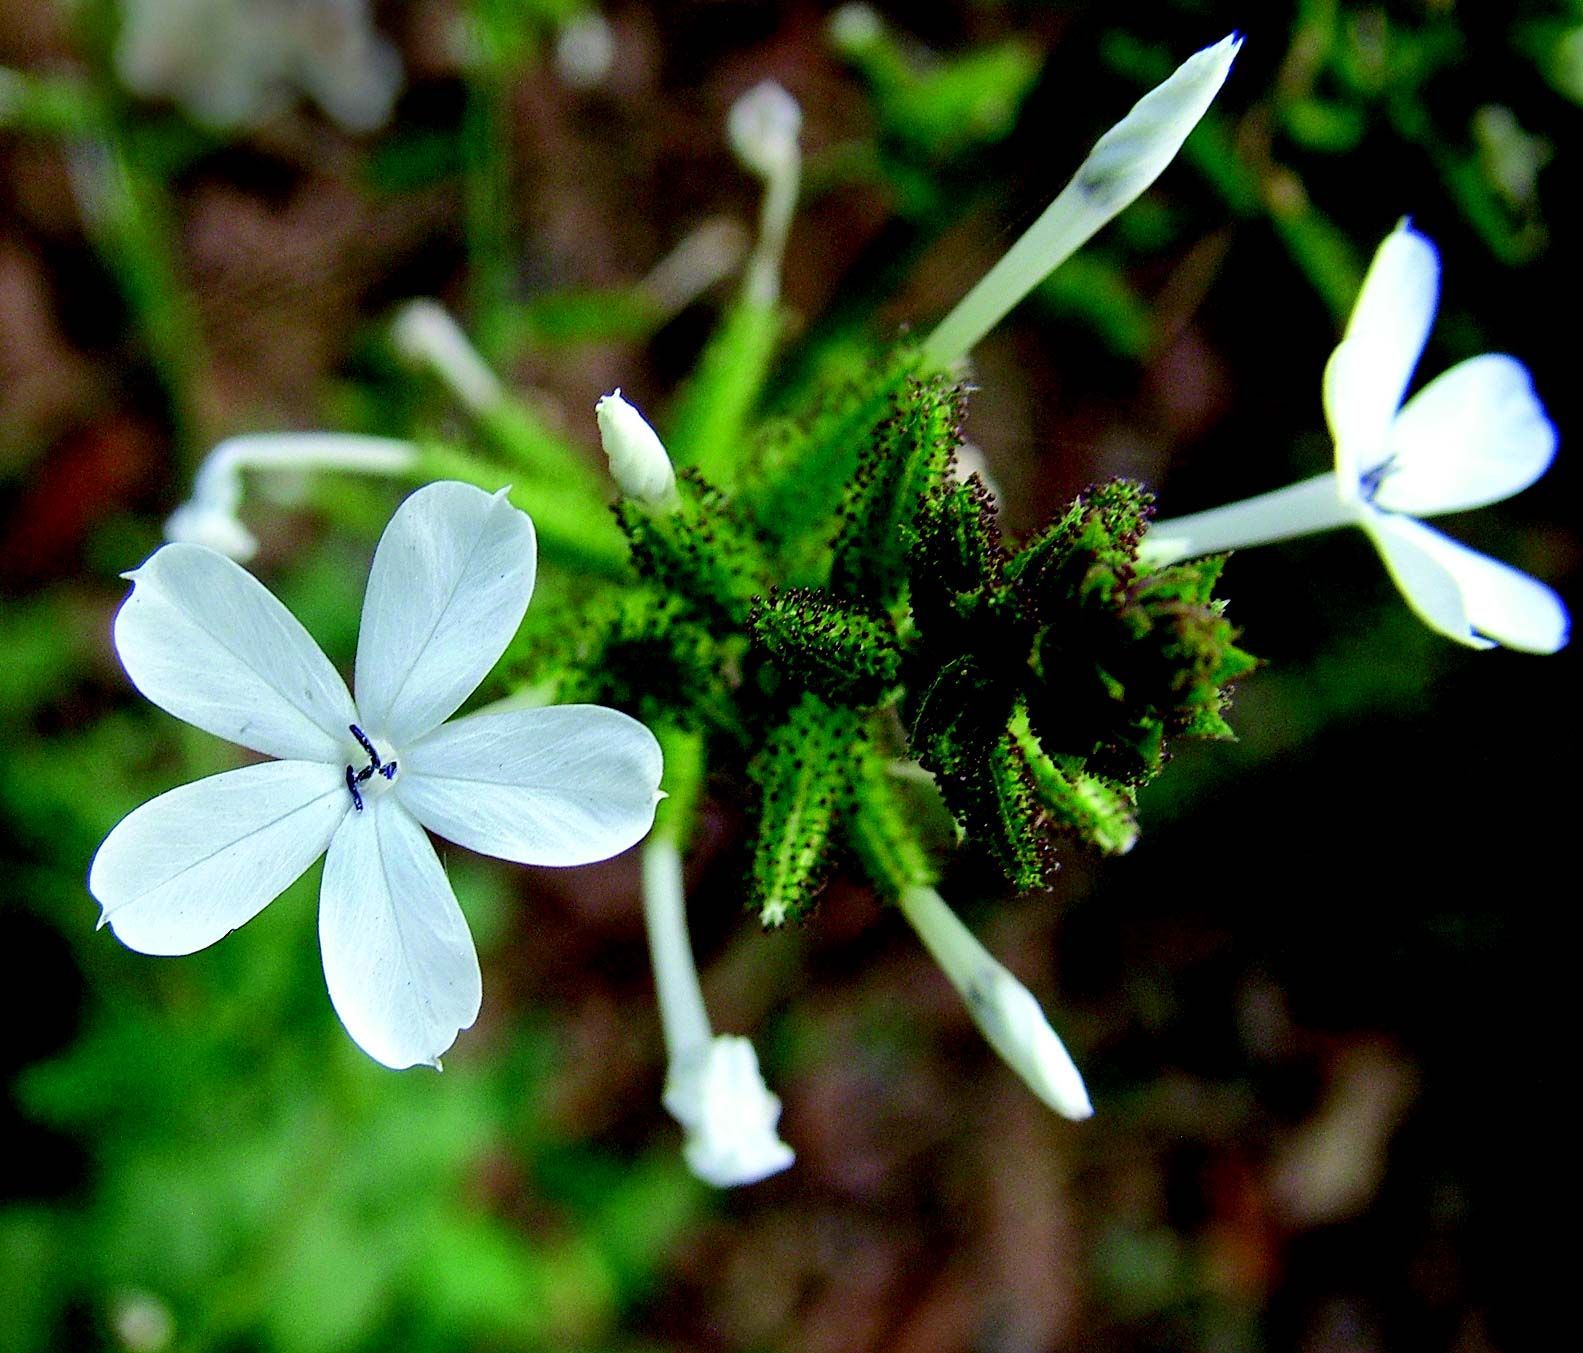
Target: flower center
374,778
1370,480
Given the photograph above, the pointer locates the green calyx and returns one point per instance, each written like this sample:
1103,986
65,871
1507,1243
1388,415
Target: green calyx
1040,683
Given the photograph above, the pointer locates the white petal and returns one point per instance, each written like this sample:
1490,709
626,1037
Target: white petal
560,786
1473,435
204,639
720,1097
398,957
1428,586
1368,373
450,583
1495,602
191,866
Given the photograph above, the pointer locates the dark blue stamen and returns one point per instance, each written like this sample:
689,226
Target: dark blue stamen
365,744
1370,480
360,777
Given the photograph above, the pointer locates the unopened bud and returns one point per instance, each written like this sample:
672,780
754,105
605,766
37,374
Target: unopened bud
638,461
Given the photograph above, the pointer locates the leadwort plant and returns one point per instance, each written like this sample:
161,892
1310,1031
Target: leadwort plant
825,603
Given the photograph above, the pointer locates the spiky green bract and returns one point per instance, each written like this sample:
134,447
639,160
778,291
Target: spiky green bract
702,550
803,470
1043,684
839,650
1123,660
1076,801
642,652
957,569
708,427
804,774
907,456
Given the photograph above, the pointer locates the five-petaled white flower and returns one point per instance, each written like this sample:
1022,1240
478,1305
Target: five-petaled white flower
204,640
1474,435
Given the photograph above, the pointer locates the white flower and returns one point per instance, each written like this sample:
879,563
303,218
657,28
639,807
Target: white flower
712,1086
1005,1011
719,1096
763,126
204,640
1474,435
211,516
638,460
234,63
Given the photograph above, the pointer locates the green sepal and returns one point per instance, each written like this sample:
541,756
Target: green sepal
1100,813
805,467
842,652
962,710
957,566
909,454
702,549
1136,660
707,429
641,652
804,773
884,831
1088,556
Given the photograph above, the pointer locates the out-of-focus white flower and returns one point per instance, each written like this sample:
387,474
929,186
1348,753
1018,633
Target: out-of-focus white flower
763,128
713,1087
638,460
585,50
425,333
1474,435
719,1096
210,517
205,641
1123,162
1005,1011
233,63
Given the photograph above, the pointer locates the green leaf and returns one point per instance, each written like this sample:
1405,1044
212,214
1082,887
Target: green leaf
708,427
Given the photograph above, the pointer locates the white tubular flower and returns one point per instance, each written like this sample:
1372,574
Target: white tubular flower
729,1113
1474,435
638,460
426,334
205,641
1004,1010
1123,162
713,1087
763,127
210,518
233,63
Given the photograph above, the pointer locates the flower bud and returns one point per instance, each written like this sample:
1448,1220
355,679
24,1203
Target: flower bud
638,460
763,125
